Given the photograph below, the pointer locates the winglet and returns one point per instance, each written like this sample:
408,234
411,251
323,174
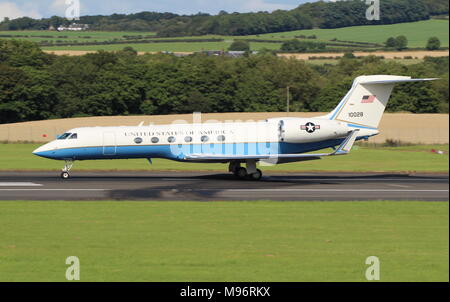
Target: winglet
347,144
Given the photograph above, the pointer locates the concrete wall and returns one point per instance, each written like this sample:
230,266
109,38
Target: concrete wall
411,128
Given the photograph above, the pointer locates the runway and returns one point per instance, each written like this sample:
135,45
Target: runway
164,186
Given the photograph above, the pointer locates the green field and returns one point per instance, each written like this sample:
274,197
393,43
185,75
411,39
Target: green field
100,36
361,159
417,34
224,241
336,61
171,47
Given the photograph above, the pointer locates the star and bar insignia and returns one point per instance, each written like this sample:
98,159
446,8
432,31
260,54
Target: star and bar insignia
310,127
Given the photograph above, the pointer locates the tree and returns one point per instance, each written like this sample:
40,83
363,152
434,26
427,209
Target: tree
318,14
294,46
401,43
349,55
56,21
27,94
239,45
433,43
391,42
102,58
13,107
37,86
130,50
19,53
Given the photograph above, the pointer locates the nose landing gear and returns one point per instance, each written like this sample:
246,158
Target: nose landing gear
65,175
67,167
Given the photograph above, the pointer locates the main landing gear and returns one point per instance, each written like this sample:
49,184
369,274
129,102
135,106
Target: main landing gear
251,172
67,167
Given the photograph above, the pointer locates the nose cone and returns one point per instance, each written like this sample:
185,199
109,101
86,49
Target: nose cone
44,151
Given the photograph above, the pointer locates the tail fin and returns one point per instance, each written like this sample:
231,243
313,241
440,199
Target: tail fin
366,101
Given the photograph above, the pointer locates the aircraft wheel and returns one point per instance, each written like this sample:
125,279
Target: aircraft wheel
241,173
257,175
65,175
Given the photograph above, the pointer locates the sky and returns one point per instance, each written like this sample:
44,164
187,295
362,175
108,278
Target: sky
46,8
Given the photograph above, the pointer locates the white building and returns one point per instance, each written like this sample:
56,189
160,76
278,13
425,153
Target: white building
74,27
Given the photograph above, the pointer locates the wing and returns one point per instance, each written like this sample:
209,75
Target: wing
343,149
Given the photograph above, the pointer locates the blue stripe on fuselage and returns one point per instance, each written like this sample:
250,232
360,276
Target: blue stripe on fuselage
178,152
361,127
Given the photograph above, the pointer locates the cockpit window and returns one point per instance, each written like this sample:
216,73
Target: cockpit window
64,136
74,136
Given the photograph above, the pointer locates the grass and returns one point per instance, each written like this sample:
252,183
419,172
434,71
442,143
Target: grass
224,241
361,159
172,46
37,35
336,61
417,34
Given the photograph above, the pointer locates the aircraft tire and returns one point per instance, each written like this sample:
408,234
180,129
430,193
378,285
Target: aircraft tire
241,173
257,175
65,175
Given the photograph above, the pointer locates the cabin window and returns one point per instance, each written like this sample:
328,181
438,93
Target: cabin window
221,138
205,139
155,140
64,136
138,140
74,136
188,139
171,139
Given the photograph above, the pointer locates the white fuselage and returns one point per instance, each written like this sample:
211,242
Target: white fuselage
273,136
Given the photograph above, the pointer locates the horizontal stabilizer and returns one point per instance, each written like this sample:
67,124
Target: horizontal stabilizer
395,81
347,145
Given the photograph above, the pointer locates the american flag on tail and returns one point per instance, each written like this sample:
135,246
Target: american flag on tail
368,99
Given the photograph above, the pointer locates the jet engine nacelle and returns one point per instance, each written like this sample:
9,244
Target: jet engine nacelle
309,130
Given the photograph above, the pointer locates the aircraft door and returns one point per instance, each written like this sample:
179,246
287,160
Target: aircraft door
281,131
109,143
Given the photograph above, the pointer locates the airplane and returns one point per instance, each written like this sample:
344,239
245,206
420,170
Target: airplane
272,141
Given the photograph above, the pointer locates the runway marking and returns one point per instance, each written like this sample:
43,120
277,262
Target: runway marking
234,190
177,179
398,186
19,184
296,179
318,190
275,177
40,190
361,179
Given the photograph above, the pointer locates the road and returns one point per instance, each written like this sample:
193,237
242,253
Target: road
164,186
